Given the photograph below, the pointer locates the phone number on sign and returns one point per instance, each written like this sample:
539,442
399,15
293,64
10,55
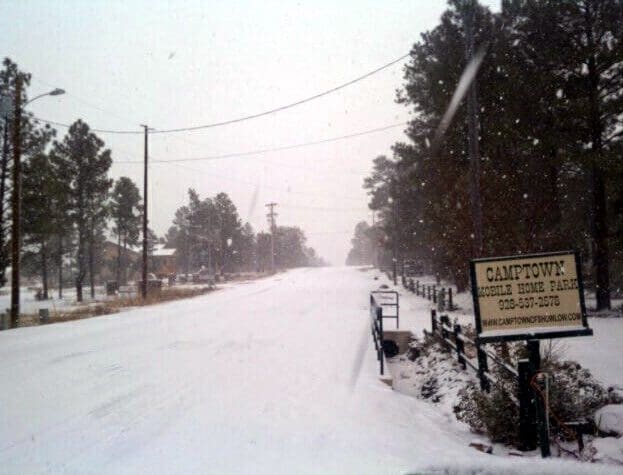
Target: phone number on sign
529,302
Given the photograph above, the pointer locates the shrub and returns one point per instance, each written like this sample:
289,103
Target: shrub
493,413
573,394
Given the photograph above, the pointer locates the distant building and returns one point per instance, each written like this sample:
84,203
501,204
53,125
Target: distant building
163,261
130,261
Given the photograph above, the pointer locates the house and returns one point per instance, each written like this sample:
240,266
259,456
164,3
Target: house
163,261
130,258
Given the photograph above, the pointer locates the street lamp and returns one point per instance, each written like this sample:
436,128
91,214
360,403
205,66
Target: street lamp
16,198
53,92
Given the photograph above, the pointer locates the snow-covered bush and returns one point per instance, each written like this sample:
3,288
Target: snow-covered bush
574,394
493,413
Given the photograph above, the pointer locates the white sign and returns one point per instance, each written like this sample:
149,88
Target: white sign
528,294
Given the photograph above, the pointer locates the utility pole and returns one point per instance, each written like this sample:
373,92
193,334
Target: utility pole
145,220
469,14
271,219
16,203
395,228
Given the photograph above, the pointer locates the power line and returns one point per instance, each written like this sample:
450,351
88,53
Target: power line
247,117
275,149
287,106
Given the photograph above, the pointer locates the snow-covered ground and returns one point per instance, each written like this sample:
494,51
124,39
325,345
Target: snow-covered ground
30,305
258,378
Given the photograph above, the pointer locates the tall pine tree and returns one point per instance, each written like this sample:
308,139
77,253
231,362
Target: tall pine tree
85,163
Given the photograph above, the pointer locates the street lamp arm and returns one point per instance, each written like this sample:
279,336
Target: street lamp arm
54,92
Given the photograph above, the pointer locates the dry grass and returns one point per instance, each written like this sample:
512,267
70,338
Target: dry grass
115,305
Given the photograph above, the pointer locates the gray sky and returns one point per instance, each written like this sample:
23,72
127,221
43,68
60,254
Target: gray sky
184,63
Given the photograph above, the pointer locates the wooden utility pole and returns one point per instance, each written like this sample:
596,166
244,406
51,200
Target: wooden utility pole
271,219
469,14
145,221
395,230
16,203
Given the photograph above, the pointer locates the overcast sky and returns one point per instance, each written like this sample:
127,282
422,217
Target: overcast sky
185,63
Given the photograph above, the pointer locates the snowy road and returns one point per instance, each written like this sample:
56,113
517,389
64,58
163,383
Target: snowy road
252,379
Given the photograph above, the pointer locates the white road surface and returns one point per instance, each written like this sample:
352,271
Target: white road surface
253,379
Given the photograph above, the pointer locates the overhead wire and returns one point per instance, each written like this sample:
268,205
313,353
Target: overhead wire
274,149
243,118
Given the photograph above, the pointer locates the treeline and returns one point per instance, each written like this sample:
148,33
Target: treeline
549,98
208,233
71,208
364,245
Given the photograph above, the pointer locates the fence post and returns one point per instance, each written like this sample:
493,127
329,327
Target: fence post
44,315
434,294
445,321
433,320
428,291
460,346
527,428
483,367
450,305
417,288
440,299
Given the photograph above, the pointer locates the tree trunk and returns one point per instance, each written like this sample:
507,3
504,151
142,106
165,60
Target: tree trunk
554,212
91,264
44,269
124,277
599,217
81,270
78,289
60,267
600,240
119,260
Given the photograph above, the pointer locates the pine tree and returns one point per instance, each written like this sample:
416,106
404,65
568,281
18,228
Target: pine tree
126,215
34,141
85,165
42,195
229,226
245,248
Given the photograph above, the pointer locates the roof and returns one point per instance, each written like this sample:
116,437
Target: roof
129,248
161,251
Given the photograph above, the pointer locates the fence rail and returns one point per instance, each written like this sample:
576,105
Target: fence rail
443,297
380,299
